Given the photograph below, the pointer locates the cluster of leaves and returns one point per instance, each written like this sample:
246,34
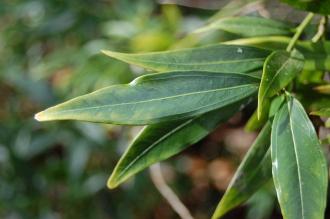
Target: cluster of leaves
50,52
194,90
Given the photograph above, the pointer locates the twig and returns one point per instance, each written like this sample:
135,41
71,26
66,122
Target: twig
320,30
256,6
159,181
299,31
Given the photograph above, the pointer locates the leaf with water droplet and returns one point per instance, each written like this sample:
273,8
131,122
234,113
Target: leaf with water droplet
216,58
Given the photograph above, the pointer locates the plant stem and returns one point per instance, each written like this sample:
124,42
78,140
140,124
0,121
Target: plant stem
299,31
160,183
321,29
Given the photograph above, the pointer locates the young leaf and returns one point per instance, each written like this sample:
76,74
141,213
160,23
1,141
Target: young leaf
156,98
161,141
253,172
248,26
279,69
219,58
299,167
323,112
317,6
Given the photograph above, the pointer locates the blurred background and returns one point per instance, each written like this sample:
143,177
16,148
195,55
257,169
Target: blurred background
50,52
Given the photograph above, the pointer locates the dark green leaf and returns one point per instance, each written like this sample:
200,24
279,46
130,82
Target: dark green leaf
275,105
317,6
156,98
253,172
300,170
279,70
161,141
316,54
219,58
249,26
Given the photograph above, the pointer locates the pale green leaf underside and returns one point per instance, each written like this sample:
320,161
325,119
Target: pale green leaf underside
156,98
218,58
299,167
253,172
278,71
249,26
161,141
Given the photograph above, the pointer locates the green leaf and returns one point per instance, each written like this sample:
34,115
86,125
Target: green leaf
248,26
275,106
323,112
317,6
316,54
299,167
279,70
254,124
253,172
219,58
156,98
161,141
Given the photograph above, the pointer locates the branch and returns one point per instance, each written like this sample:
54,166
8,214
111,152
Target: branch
299,31
159,181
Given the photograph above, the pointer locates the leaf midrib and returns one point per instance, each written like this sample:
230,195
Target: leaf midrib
297,161
150,100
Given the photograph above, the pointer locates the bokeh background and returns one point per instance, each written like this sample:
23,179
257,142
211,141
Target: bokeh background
50,52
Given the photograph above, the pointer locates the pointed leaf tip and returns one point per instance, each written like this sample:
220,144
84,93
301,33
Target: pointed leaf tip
39,117
111,184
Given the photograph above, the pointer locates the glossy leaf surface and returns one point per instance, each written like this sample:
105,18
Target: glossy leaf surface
219,58
253,172
161,141
316,54
317,6
279,70
156,98
249,26
299,167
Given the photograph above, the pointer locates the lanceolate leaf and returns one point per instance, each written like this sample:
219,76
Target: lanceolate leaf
161,141
249,26
219,58
299,167
253,172
279,70
323,112
156,98
317,6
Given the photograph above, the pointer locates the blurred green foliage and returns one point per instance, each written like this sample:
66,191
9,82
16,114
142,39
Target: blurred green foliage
49,52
